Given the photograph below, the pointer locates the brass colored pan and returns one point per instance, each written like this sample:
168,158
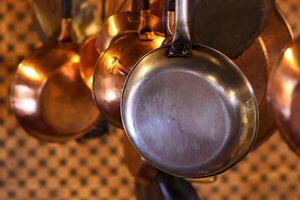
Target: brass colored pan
48,96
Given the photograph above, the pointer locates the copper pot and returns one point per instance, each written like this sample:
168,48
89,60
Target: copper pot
48,96
257,62
137,38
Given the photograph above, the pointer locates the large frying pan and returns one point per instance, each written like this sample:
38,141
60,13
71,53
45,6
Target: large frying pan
183,106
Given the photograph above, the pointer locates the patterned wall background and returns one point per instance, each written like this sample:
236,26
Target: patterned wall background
95,169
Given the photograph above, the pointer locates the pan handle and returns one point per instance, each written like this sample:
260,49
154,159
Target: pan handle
145,31
134,7
168,20
66,21
181,44
173,188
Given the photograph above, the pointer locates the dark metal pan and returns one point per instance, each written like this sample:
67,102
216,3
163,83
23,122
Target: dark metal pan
187,108
229,26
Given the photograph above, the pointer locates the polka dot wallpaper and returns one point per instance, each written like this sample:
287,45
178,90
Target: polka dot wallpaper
95,168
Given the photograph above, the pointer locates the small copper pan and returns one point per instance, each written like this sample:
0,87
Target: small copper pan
284,95
88,57
48,95
114,64
88,53
257,62
121,23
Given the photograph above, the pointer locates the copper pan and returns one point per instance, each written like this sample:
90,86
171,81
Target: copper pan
121,23
88,58
88,53
114,64
284,95
257,62
48,96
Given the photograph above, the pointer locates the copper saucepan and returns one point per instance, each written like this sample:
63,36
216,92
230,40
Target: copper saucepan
114,64
284,95
183,106
88,57
257,62
48,96
119,24
88,53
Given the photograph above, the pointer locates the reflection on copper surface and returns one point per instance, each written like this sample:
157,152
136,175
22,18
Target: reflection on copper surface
30,72
158,41
113,28
75,58
291,58
88,58
284,95
110,95
90,82
111,64
27,103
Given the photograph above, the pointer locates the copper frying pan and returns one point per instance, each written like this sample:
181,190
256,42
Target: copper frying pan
114,64
257,62
284,95
88,57
88,53
119,24
48,96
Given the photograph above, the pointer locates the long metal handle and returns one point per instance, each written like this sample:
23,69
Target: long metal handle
66,9
134,6
66,22
181,44
145,30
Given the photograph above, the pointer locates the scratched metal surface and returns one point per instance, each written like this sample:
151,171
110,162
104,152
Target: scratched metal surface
30,169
